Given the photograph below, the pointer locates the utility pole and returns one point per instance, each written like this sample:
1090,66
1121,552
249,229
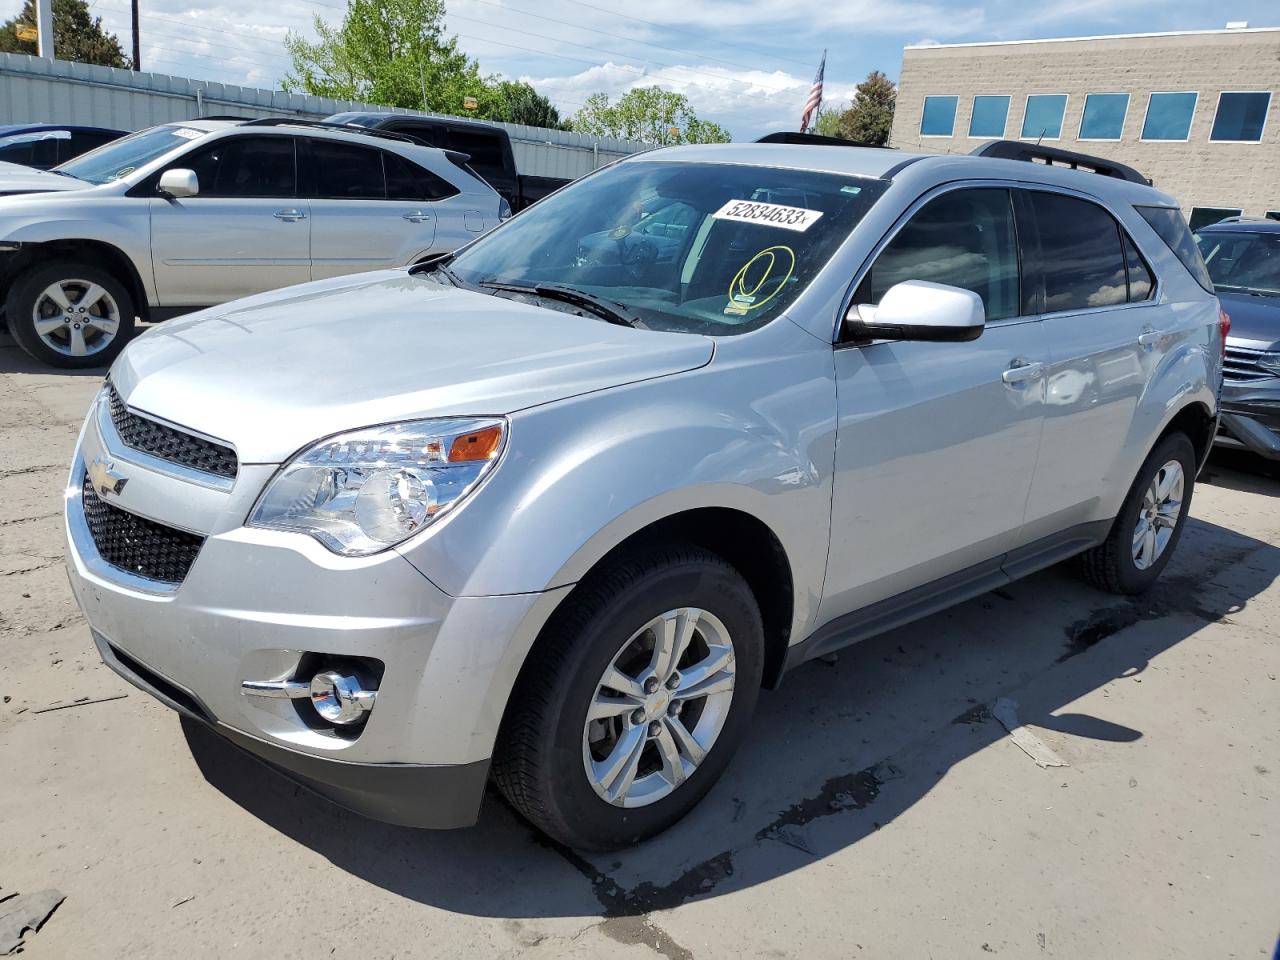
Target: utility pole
44,28
137,40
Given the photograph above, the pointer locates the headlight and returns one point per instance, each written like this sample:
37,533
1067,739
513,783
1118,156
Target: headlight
361,492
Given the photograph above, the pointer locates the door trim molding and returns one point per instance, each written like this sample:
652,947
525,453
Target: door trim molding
884,615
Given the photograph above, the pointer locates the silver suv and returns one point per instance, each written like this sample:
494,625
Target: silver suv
552,511
188,215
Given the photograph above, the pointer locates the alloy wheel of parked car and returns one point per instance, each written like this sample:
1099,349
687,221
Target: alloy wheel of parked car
70,314
634,699
1150,521
659,707
1158,516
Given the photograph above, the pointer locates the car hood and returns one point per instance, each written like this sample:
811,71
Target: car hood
16,178
273,373
1255,321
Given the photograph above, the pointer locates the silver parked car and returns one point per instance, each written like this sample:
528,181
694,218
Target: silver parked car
188,215
553,511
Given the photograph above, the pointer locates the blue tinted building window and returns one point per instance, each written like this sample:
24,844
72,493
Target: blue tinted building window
1241,117
939,117
1169,116
1043,119
989,116
1104,116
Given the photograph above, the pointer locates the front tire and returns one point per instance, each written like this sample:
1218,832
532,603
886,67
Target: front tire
1149,524
70,314
634,699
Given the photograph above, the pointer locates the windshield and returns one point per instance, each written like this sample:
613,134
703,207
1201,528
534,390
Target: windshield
691,247
121,157
1241,262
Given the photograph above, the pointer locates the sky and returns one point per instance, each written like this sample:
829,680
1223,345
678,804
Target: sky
746,64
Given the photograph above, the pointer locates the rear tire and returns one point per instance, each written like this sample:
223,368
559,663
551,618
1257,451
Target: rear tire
70,314
554,763
1147,529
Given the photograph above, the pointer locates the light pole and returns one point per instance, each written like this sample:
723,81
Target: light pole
137,40
44,28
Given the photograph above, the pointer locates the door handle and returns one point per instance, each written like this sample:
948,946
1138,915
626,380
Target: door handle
1149,337
289,215
1020,371
417,216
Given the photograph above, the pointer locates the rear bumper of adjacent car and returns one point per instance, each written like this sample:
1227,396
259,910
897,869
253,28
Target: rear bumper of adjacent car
1250,418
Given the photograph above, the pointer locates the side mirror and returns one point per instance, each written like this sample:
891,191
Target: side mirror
919,310
178,183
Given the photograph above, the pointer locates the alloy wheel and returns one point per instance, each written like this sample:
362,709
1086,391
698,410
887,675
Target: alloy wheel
659,707
1158,515
77,318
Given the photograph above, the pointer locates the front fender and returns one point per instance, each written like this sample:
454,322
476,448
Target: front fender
753,431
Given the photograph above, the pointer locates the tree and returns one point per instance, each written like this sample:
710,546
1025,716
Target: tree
869,118
392,52
76,35
517,102
647,114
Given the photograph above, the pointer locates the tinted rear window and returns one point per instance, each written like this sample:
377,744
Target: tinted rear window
1082,259
343,171
1169,224
408,181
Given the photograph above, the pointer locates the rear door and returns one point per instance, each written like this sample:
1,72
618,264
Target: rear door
936,442
371,209
1104,337
245,232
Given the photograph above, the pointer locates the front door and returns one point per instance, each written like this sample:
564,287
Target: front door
936,442
245,232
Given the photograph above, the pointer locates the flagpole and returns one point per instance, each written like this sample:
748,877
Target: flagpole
813,102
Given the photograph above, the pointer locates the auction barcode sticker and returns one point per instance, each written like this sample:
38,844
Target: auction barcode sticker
768,214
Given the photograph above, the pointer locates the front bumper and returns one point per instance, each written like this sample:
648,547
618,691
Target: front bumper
1250,418
256,604
406,794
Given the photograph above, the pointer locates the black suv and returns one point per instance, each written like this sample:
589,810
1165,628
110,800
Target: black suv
1243,257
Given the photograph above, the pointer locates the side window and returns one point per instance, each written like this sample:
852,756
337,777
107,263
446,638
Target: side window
19,152
1140,279
408,181
1169,225
83,142
346,171
964,238
1081,258
245,167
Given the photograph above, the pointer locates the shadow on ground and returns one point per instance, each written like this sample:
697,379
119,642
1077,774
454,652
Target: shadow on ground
839,751
13,359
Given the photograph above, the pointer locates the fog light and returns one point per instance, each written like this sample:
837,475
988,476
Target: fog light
339,698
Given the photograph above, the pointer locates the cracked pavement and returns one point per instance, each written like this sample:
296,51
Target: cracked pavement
877,809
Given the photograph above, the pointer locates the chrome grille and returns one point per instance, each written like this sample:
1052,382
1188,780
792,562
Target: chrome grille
1240,365
170,444
138,545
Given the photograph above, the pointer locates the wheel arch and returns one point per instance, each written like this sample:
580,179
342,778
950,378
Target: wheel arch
94,252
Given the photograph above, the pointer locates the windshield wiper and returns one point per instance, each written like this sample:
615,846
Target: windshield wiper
438,264
605,309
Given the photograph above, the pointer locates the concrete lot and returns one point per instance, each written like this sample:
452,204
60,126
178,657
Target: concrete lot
877,809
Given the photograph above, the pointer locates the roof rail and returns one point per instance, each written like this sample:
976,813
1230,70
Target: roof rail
816,140
222,116
339,127
1056,157
1244,219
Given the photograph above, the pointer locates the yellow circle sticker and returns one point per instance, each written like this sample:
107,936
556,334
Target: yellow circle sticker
771,263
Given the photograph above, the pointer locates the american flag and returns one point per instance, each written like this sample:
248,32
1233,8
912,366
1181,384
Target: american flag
815,96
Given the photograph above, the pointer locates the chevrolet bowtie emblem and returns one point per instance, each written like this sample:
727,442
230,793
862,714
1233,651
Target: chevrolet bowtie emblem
103,476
